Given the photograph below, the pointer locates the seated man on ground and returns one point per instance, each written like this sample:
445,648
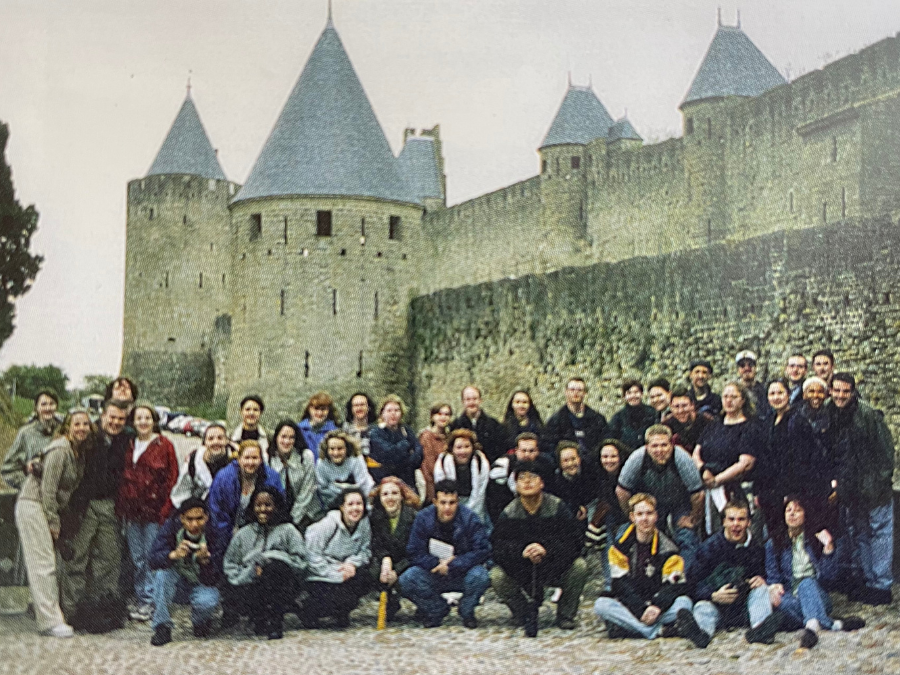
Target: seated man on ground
669,474
447,548
537,543
728,577
181,557
648,580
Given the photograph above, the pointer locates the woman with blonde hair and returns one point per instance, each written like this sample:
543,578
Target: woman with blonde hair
42,499
394,449
341,466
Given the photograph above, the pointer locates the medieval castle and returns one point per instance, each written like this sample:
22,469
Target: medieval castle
303,278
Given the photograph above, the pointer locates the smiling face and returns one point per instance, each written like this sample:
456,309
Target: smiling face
747,370
660,448
250,413
446,504
644,517
569,462
610,458
683,409
794,516
633,396
337,450
823,367
121,391
658,398
700,377
841,393
521,404
815,396
112,421
471,400
143,423
318,414
391,414
391,498
442,417
796,369
528,484
285,440
575,393
263,507
79,427
215,440
45,408
359,406
779,398
736,522
462,451
249,462
352,510
732,401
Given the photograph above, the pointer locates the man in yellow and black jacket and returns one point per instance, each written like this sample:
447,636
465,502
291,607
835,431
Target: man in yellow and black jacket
648,581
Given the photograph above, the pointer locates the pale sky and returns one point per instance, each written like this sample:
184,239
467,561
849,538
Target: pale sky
90,89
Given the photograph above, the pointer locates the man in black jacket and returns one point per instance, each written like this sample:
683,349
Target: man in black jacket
537,543
490,432
575,421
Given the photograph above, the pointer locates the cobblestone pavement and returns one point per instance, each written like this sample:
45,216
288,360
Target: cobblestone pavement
406,648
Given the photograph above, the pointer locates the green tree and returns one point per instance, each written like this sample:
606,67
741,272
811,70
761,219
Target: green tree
18,266
95,384
29,380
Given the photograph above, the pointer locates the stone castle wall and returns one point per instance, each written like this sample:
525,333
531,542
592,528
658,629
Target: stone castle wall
835,286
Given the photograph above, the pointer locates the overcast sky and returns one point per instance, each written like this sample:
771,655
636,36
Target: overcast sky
90,89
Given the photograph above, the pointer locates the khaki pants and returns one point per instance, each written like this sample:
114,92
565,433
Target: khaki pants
97,556
572,584
40,562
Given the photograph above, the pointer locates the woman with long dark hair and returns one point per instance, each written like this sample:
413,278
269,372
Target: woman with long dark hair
201,466
296,465
360,416
433,440
521,416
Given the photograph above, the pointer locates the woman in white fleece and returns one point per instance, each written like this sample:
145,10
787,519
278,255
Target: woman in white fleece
341,466
464,462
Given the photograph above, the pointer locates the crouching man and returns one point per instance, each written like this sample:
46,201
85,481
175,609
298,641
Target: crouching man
181,556
537,543
728,576
648,579
447,549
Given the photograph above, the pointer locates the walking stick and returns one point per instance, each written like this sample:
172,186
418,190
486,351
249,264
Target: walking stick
382,611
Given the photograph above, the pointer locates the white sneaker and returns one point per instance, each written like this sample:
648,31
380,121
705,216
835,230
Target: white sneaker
63,630
141,613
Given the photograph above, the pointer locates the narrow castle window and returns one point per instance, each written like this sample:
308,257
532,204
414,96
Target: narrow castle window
285,231
334,302
834,149
306,365
362,229
359,368
259,365
557,165
394,228
223,281
824,212
151,213
255,226
323,223
791,201
843,203
709,237
184,220
576,162
708,128
201,280
376,304
688,126
281,310
167,280
543,166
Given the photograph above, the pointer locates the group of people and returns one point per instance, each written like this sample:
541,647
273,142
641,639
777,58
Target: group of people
745,508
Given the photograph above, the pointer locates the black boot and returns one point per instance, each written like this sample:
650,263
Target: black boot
276,626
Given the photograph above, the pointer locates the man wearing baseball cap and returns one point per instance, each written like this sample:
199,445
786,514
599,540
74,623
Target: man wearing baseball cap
746,367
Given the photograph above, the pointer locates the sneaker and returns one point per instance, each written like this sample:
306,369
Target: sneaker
142,612
764,633
808,639
63,630
686,626
162,635
851,623
470,622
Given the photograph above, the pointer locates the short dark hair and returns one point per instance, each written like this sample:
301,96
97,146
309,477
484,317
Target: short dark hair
447,486
192,503
116,403
845,377
681,392
827,353
628,384
338,501
526,436
660,382
537,468
256,399
131,385
49,393
736,503
567,445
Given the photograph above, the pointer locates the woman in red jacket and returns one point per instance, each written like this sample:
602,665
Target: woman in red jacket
151,469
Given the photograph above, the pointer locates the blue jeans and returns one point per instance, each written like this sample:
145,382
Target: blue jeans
809,602
873,534
688,544
204,599
758,606
424,589
613,611
140,538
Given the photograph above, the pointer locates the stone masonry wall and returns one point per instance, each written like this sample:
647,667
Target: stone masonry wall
836,286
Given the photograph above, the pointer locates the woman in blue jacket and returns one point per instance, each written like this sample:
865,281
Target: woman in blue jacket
394,449
798,562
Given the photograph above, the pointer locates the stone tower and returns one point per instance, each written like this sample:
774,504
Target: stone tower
325,238
176,267
732,70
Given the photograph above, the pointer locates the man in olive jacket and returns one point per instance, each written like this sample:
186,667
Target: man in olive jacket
537,543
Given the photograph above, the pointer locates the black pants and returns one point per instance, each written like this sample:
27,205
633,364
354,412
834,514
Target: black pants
337,600
269,597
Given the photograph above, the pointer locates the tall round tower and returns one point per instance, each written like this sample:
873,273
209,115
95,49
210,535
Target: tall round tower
324,237
176,266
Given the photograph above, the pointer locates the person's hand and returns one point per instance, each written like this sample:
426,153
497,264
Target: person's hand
686,522
347,570
388,577
827,540
650,615
534,552
181,552
757,582
442,567
775,593
726,595
202,555
259,570
582,513
709,479
54,532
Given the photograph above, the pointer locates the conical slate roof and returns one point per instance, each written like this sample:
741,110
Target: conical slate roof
327,140
733,66
418,166
622,130
187,148
581,119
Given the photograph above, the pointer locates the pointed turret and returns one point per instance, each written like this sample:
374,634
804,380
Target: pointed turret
327,140
581,118
187,149
733,66
419,167
622,130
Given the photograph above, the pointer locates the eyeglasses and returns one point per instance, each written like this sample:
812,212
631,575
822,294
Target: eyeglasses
746,364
